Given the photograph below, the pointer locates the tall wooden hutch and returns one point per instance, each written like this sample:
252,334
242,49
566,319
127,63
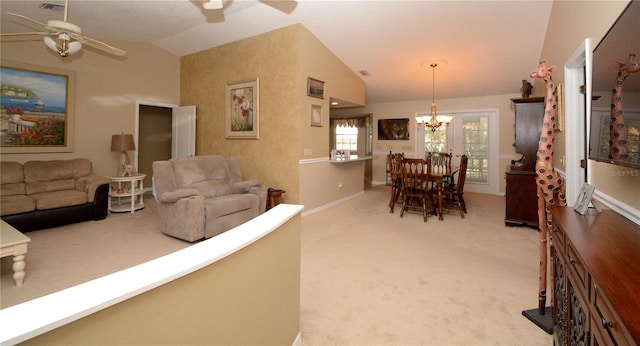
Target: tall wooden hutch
521,198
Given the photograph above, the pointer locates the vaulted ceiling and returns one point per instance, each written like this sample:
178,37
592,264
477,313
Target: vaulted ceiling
483,47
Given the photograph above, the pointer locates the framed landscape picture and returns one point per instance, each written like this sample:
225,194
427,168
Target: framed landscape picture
315,88
36,108
242,109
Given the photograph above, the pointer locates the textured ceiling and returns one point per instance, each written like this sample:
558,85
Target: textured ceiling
489,46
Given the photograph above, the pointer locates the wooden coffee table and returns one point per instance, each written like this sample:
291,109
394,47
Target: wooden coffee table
12,242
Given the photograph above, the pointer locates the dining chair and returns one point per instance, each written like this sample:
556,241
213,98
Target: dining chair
415,181
393,169
440,163
454,195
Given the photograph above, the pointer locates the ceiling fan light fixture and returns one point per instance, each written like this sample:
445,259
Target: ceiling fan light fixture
68,47
212,4
51,43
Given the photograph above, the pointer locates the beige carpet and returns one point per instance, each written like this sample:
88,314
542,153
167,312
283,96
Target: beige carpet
368,277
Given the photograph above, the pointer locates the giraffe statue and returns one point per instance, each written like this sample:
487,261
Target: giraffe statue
618,150
549,183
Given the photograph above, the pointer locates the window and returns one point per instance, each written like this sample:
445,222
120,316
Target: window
346,138
476,145
436,142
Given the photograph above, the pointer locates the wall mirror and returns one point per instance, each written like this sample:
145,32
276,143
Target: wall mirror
622,40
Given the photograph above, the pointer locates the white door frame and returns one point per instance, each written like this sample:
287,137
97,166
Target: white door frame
577,74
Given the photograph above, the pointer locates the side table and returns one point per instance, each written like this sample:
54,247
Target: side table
126,193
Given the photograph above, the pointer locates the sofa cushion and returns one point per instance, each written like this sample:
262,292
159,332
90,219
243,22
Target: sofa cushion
225,205
57,199
54,175
16,204
195,169
12,179
213,188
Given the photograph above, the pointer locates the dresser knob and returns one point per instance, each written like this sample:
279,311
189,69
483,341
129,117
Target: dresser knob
606,324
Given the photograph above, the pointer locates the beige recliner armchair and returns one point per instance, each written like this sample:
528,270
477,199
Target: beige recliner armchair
202,196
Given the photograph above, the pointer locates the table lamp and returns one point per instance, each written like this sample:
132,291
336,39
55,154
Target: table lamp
122,143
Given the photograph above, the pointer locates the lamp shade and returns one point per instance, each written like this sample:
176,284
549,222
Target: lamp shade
122,142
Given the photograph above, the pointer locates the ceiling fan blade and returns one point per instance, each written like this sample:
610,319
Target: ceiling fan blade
286,6
27,18
26,33
98,44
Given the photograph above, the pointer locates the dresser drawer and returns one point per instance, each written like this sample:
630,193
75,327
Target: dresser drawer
558,239
576,265
605,320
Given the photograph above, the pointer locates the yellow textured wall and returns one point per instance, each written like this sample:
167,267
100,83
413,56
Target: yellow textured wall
283,59
273,58
106,92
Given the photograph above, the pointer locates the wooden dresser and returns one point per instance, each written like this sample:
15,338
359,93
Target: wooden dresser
521,199
595,263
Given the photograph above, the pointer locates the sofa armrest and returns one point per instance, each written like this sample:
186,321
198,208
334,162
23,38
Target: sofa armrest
90,183
245,186
174,196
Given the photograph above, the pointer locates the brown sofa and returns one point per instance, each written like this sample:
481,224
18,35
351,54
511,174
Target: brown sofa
202,196
44,194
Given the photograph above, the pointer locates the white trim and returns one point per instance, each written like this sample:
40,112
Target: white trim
329,205
298,340
27,320
621,208
577,116
311,161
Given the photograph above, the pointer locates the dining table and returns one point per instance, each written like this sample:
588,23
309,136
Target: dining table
437,176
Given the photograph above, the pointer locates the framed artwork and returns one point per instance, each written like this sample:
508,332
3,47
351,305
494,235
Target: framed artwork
584,198
36,108
316,115
315,88
242,109
393,129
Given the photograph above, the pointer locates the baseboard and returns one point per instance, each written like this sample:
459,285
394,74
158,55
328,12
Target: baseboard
328,205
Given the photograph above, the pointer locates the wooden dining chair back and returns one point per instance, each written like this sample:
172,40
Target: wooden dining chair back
455,195
439,163
414,186
394,162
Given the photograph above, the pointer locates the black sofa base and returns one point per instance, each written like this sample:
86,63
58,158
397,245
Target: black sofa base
48,218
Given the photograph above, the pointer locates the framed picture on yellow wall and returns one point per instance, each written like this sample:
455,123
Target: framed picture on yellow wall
315,88
242,109
316,115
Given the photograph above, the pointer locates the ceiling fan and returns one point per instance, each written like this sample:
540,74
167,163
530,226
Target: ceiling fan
69,36
286,6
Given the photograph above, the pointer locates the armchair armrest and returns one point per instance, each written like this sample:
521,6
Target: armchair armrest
245,186
174,196
90,184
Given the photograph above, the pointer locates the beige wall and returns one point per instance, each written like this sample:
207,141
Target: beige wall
106,90
587,19
502,103
283,60
251,297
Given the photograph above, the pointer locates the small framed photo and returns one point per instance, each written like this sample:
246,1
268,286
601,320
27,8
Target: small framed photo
584,198
315,88
316,115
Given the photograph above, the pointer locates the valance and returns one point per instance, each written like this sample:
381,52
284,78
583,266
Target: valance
349,122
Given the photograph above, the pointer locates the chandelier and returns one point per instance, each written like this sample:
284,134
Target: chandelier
433,121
